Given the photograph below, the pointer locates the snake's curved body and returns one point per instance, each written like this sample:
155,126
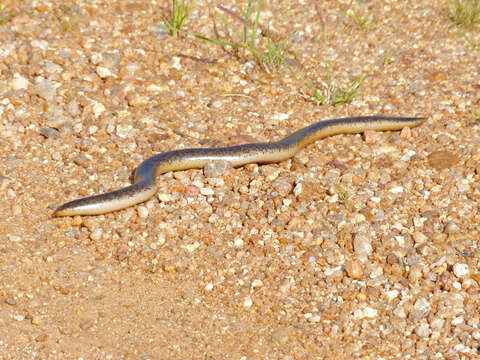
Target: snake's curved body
144,186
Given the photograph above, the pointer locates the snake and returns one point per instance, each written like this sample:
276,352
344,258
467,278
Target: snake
144,185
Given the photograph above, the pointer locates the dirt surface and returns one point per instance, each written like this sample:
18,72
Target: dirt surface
361,247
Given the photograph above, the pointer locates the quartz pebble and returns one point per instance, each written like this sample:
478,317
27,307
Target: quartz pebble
19,82
362,246
354,269
46,90
216,168
460,270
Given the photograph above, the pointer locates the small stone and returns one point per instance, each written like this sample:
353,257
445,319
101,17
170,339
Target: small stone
165,197
104,72
247,303
86,325
415,273
437,324
96,234
362,246
58,121
239,242
392,294
209,286
18,317
442,159
461,270
419,238
46,90
283,334
371,137
297,190
92,129
405,133
132,68
423,330
367,313
257,283
192,190
161,238
458,320
282,186
422,306
124,131
137,99
314,318
73,108
206,191
10,300
400,312
142,211
396,190
175,63
65,53
36,320
354,269
278,116
52,68
451,227
216,168
41,338
49,133
19,82
98,108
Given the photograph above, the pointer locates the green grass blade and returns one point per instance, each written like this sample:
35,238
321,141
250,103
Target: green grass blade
247,19
255,24
216,41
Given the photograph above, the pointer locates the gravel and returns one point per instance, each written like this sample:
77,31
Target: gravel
359,247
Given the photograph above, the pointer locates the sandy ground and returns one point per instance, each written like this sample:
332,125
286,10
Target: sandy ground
361,247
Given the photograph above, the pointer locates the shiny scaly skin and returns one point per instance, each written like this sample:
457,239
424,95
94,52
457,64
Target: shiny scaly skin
144,186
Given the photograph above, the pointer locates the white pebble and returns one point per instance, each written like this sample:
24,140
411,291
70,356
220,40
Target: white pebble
298,189
104,72
423,330
19,317
437,324
164,197
19,82
392,294
247,303
238,242
460,270
98,109
142,211
314,318
280,116
362,245
422,305
257,283
209,286
96,234
124,131
396,190
207,191
46,90
367,313
161,239
457,321
176,63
